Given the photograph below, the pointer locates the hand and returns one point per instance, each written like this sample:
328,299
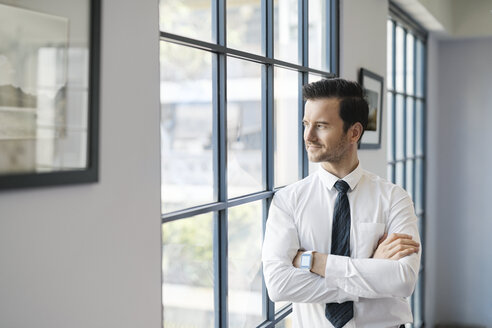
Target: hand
297,259
395,246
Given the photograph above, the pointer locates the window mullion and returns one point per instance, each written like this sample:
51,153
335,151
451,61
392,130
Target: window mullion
268,150
404,115
334,36
220,217
303,160
393,99
268,308
267,102
414,114
303,79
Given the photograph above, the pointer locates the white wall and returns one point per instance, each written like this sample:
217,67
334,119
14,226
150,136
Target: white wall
459,256
89,255
363,44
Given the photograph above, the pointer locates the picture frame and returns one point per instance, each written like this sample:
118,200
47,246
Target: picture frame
372,84
49,92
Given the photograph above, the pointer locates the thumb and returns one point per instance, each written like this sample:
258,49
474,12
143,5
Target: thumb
383,238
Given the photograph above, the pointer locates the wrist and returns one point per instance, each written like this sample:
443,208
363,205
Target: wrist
319,263
314,260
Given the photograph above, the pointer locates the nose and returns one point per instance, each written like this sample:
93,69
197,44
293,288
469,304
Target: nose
309,134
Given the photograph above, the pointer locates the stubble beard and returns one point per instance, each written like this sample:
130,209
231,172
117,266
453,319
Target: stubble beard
334,155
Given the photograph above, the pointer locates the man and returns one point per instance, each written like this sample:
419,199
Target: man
343,243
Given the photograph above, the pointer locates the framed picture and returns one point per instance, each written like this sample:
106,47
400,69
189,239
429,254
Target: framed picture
373,90
49,81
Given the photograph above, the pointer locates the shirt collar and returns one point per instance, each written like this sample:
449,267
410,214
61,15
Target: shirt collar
352,178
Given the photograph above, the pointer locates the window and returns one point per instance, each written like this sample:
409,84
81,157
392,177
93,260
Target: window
406,121
231,134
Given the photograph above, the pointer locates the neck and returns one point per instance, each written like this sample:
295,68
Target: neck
343,167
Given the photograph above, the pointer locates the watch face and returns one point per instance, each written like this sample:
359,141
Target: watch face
305,259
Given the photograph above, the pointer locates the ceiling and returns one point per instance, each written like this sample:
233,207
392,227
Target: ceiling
458,19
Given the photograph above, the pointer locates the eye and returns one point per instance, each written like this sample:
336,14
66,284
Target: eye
304,123
320,126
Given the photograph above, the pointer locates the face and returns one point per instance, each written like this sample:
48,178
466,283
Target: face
324,137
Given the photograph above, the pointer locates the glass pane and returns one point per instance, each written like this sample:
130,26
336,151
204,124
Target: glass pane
186,127
314,78
44,83
390,128
400,34
400,127
313,167
286,30
190,18
286,323
69,151
187,272
319,55
389,54
409,179
244,25
244,170
419,69
245,279
399,176
390,170
280,305
410,129
286,126
419,185
409,70
419,128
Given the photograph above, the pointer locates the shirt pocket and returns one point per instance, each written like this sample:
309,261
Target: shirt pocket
367,237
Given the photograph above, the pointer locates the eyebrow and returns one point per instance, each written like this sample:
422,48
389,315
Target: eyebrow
318,122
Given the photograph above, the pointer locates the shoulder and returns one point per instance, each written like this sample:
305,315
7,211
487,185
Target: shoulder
298,187
289,195
382,186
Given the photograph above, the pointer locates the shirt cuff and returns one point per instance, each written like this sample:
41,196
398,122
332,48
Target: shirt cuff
335,275
336,269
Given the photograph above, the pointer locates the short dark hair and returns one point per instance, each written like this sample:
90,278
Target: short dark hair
353,106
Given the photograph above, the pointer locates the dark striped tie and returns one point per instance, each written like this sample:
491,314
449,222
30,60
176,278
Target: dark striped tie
340,313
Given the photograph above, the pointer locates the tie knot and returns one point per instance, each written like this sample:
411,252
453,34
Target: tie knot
341,186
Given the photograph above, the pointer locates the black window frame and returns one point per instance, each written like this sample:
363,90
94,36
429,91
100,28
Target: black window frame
222,204
400,18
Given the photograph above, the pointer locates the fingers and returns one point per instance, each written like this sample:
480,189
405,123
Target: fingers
402,246
406,242
382,238
396,236
402,250
403,253
396,246
397,239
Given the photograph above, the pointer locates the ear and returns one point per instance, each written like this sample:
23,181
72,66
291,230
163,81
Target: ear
355,132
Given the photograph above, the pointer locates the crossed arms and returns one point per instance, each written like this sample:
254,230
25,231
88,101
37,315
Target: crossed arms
391,272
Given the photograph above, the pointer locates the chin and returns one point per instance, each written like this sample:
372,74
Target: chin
314,159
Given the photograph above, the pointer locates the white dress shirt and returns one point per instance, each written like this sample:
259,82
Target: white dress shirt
300,217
